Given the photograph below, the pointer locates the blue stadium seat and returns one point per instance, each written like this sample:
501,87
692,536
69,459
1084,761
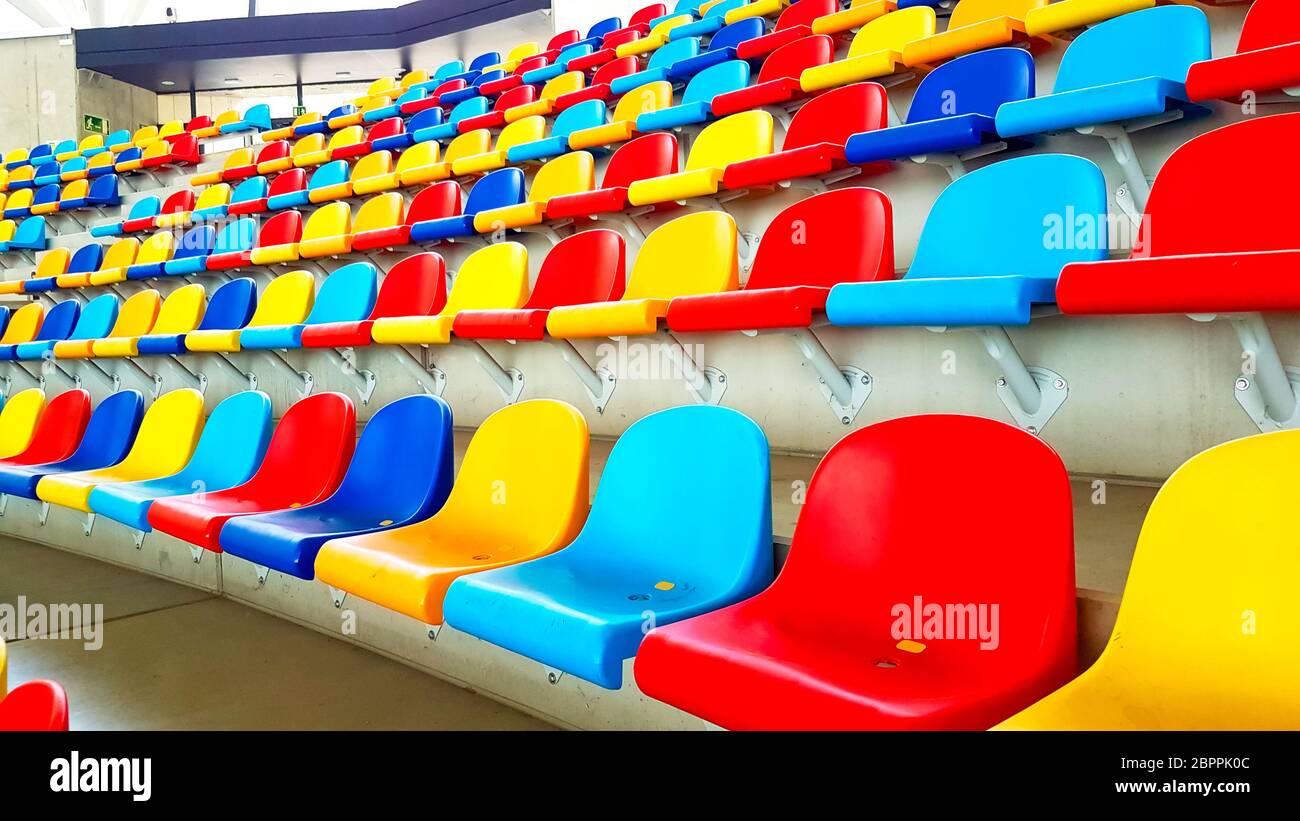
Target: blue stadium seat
59,322
651,553
109,435
713,20
484,60
697,100
229,451
256,118
400,473
347,295
495,190
250,191
658,66
143,208
986,256
406,138
230,307
588,114
103,192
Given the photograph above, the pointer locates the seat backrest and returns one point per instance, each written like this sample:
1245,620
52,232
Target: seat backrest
167,436
425,119
59,321
418,156
282,229
442,199
308,452
1269,23
388,127
286,300
715,80
566,174
380,211
742,136
231,306
58,431
974,84
402,464
30,234
18,420
374,164
274,150
500,188
416,286
330,220
671,52
969,12
804,12
868,538
473,107
158,248
138,314
250,190
566,83
232,444
789,61
104,190
331,173
121,254
734,34
346,295
585,267
845,235
836,115
659,272
54,263
894,30
526,130
214,196
586,114
519,95
478,141
144,207
614,69
352,135
491,277
309,144
1217,545
236,236
714,531
538,452
484,60
109,433
86,258
96,318
288,182
1213,164
1122,48
642,100
1026,234
181,311
37,706
179,202
240,158
24,324
644,15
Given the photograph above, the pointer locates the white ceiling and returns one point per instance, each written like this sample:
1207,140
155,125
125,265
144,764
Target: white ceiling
21,17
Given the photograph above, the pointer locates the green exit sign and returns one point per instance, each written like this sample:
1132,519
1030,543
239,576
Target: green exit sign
299,110
93,124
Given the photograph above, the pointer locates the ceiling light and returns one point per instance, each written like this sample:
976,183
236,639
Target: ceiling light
168,83
231,80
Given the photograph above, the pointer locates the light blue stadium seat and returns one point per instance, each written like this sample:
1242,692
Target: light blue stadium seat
28,236
722,47
118,141
652,552
91,322
230,307
658,66
256,118
987,253
143,208
235,238
587,114
1129,67
953,109
334,172
448,70
697,100
347,295
228,452
251,190
107,438
473,107
496,190
400,473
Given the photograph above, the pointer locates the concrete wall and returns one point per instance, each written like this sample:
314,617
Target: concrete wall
123,105
40,81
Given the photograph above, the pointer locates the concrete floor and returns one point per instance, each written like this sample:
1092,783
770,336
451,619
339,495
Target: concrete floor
176,658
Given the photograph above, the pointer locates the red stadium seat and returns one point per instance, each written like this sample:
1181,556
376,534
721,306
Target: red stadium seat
778,79
34,706
58,430
653,155
1267,58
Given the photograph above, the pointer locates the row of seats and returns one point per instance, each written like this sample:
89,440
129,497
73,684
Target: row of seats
55,198
33,706
161,156
680,578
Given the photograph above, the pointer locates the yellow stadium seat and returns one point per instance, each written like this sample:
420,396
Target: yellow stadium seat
661,272
286,301
8,227
379,212
310,150
352,135
1206,633
876,50
858,14
412,78
135,319
526,130
24,324
239,158
181,312
26,173
214,196
571,173
18,421
566,83
622,124
327,233
656,38
15,155
420,164
739,137
171,129
22,198
104,160
521,492
374,172
163,446
145,136
491,277
516,56
974,25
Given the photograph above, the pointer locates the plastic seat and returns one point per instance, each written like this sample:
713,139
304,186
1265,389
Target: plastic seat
328,232
230,308
876,50
228,452
778,81
108,436
495,277
730,140
256,118
249,197
287,300
434,202
815,140
584,268
537,449
953,109
650,549
859,564
57,432
658,276
192,252
233,245
1110,73
176,210
18,421
94,321
1267,58
622,125
400,474
134,318
1214,534
571,173
658,67
599,89
496,190
213,203
378,222
1198,261
165,442
36,706
972,26
150,262
179,314
347,295
844,235
278,240
416,286
978,265
44,330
